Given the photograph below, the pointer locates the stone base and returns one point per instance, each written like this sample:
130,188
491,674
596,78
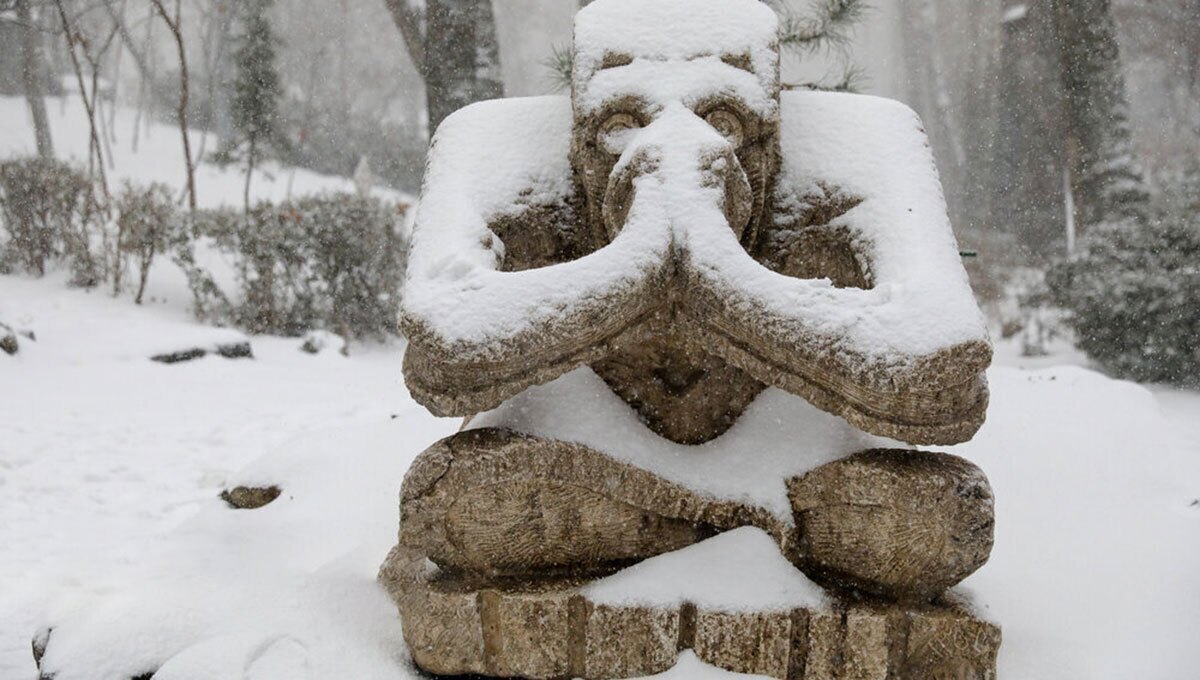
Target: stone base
548,629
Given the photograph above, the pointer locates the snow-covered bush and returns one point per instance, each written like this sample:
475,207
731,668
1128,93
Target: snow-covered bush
1134,296
330,262
48,211
147,223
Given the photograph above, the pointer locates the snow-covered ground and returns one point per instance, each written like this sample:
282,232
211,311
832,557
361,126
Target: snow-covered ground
110,466
158,156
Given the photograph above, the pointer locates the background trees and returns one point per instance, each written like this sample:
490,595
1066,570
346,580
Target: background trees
255,87
453,45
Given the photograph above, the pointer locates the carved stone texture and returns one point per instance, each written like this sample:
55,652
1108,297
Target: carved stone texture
901,524
680,390
545,629
495,503
500,529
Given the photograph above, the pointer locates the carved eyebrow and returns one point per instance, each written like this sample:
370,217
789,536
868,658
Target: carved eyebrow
615,59
740,61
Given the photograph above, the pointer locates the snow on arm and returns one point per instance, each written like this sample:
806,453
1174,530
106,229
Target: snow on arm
920,302
489,160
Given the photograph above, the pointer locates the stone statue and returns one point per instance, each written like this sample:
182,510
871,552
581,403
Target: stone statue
681,309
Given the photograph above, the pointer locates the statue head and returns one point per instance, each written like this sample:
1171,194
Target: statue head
696,80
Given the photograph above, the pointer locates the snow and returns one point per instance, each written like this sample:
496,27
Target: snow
453,287
690,667
778,436
739,570
674,33
876,148
110,469
110,466
659,83
1015,13
159,155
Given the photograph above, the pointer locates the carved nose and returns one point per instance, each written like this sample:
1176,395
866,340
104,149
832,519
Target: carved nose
708,159
721,170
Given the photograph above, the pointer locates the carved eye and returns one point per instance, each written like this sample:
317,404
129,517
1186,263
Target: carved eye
728,124
615,131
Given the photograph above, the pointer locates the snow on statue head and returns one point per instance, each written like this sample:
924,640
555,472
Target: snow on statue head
677,304
693,68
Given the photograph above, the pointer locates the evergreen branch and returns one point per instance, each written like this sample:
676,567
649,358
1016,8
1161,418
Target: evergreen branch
830,25
560,64
851,80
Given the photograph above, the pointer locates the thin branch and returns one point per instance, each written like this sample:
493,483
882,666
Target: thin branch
852,79
73,39
175,27
560,64
829,27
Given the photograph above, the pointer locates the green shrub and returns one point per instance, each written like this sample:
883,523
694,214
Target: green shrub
330,262
1133,297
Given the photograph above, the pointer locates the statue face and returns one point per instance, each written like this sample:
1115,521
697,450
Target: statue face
713,100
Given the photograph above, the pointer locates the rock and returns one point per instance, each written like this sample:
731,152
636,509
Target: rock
40,641
250,497
9,344
316,342
234,350
901,524
180,356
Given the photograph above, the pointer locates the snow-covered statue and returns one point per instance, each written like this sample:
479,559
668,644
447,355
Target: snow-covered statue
690,321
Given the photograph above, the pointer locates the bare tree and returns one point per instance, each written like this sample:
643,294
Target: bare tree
175,24
32,72
78,42
143,63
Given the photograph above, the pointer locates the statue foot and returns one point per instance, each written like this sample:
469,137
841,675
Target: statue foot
903,525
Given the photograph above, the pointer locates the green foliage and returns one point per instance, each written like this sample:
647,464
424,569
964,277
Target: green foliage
329,262
48,213
828,25
1134,296
559,65
256,87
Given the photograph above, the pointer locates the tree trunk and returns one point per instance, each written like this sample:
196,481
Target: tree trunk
32,72
160,92
1107,182
249,173
146,260
72,38
462,33
177,33
1030,153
